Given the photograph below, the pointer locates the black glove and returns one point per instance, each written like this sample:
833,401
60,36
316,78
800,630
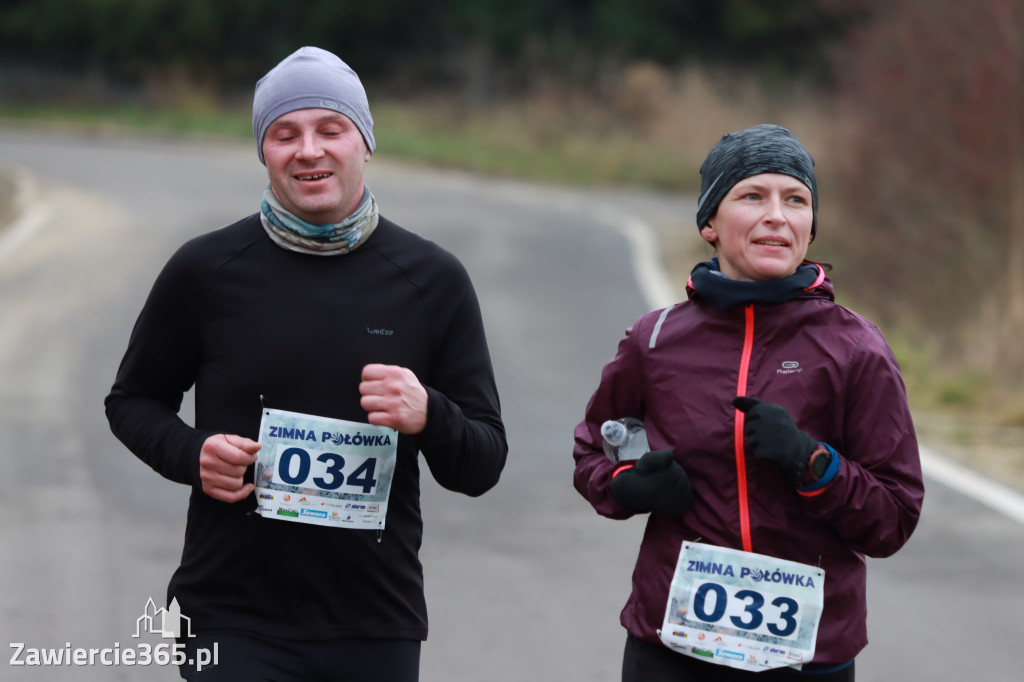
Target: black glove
772,434
656,483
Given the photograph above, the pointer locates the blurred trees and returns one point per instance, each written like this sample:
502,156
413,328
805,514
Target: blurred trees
933,186
488,45
926,99
206,40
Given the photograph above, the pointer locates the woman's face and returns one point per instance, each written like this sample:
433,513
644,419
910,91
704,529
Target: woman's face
762,227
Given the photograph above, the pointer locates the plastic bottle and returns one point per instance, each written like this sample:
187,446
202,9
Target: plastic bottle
624,439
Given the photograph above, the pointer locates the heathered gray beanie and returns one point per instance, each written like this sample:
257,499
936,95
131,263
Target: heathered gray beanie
762,149
310,78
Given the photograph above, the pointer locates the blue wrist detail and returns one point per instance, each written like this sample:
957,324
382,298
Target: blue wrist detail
830,473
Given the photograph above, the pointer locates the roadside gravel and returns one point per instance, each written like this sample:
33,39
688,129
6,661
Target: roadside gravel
6,198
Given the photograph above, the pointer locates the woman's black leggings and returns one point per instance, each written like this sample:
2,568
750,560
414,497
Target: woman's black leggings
646,662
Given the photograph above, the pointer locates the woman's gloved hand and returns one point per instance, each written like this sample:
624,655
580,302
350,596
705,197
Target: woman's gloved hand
773,436
656,483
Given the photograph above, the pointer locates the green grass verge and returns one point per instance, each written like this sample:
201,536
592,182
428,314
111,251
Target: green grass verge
128,117
485,143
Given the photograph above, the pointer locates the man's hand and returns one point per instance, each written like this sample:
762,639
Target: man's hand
394,397
771,433
223,460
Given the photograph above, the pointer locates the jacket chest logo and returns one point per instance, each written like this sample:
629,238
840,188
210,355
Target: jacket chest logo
789,367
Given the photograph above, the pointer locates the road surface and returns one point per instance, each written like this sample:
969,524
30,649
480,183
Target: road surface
523,583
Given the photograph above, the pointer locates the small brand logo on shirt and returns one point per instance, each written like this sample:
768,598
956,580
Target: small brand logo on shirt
790,367
380,332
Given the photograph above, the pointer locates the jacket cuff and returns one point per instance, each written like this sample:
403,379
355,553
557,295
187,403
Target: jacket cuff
441,413
198,440
622,467
833,468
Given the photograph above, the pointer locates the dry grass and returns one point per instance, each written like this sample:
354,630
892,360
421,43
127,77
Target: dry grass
655,127
649,127
642,126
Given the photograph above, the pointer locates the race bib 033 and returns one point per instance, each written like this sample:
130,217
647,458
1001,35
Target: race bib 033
743,610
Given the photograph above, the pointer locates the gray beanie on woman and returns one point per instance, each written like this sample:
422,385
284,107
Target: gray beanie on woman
762,149
310,78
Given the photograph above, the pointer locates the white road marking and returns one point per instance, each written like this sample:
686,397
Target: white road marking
29,214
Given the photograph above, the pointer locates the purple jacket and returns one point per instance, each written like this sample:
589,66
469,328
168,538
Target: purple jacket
680,368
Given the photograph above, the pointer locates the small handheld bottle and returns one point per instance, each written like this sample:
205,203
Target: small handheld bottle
624,439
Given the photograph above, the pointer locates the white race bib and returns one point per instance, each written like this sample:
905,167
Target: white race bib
743,610
327,472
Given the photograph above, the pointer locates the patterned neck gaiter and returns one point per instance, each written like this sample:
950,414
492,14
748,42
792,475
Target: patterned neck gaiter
291,232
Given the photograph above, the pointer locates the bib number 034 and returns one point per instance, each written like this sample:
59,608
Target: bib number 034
325,470
754,611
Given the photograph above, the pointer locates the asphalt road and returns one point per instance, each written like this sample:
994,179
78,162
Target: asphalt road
523,583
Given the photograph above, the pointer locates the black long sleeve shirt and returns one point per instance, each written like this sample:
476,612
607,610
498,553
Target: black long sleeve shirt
239,317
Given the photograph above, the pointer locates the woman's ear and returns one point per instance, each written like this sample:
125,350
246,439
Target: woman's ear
709,234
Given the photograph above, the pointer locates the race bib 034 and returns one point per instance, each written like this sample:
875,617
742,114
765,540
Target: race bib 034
327,472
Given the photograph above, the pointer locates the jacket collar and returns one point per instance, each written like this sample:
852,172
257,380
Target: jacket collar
709,284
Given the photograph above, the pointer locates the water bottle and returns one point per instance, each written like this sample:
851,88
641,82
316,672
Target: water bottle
624,439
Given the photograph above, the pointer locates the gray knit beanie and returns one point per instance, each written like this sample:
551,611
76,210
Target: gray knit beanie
310,78
762,149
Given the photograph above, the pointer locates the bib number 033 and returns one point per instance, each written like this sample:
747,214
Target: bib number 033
325,470
746,609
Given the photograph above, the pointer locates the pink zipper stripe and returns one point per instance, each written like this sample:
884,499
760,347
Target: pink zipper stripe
741,457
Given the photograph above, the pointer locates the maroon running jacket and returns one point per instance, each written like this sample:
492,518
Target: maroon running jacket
680,368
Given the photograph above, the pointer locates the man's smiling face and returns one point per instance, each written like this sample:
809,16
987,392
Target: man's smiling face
315,161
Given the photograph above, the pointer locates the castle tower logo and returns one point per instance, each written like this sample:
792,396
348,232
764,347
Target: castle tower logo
164,622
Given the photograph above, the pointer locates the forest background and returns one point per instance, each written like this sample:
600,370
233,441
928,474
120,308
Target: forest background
913,110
